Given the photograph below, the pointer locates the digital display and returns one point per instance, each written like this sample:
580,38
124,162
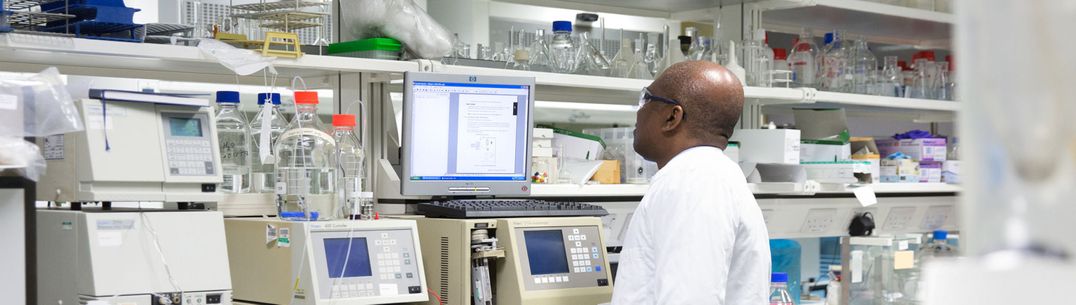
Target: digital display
545,251
185,127
342,263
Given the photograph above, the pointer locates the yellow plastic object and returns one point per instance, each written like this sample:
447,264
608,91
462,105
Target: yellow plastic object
289,42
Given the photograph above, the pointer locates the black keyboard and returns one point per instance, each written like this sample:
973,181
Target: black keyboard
501,208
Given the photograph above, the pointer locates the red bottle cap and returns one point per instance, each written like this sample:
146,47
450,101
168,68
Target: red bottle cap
377,215
949,59
903,65
306,97
344,120
780,54
928,55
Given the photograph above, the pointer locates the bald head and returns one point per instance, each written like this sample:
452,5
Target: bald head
712,98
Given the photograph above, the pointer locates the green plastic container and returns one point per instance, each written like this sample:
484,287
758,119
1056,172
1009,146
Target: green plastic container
377,48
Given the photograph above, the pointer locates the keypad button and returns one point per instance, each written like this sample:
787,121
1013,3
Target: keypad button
594,256
575,231
582,237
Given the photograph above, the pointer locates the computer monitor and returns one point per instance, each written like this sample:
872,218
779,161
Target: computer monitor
466,135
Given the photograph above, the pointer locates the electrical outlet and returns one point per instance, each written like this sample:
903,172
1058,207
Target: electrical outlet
819,220
937,217
899,219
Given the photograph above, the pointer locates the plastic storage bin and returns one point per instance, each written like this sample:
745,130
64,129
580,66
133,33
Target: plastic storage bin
376,48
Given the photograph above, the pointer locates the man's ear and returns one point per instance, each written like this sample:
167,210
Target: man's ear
674,117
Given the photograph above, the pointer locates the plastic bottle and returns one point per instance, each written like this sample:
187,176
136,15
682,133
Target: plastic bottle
735,67
350,168
233,137
863,65
939,246
779,289
263,175
563,48
802,61
305,167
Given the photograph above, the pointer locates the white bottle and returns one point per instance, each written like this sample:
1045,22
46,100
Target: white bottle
735,67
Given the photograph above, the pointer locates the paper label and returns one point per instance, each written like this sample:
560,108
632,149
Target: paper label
902,245
109,238
281,188
54,147
115,224
388,289
283,239
865,195
9,102
265,134
856,266
66,226
903,260
270,233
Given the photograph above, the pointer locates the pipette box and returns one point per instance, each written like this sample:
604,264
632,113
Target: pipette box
900,170
930,172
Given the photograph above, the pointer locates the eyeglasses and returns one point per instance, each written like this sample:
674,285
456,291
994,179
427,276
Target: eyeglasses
645,96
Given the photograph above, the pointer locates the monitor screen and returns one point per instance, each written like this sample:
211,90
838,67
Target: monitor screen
545,251
341,263
467,132
185,127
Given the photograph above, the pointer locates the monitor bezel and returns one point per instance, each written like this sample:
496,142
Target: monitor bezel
410,187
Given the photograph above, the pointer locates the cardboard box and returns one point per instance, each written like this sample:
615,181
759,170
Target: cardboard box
824,151
930,172
577,145
541,152
543,143
925,149
780,146
864,149
900,170
951,171
836,172
542,133
608,172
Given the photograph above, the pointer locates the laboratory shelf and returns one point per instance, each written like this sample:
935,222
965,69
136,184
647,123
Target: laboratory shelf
885,101
878,22
789,189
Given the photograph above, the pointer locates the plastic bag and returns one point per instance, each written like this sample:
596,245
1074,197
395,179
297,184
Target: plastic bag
240,61
400,19
36,106
19,152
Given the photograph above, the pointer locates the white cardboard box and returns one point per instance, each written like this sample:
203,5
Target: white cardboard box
542,133
544,143
836,172
824,151
578,145
780,146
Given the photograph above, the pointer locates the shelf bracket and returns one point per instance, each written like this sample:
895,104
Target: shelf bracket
426,65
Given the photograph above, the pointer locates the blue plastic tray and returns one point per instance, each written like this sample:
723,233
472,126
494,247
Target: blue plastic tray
101,30
59,4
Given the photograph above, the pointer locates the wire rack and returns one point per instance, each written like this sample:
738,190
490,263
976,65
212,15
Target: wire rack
15,5
291,25
279,5
282,16
26,15
285,15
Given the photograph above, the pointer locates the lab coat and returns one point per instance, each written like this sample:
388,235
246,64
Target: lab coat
697,237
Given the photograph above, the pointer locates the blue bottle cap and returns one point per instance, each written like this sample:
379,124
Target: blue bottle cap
314,215
227,96
941,234
275,97
779,277
828,38
562,26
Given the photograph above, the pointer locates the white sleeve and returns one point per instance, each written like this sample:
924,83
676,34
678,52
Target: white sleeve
693,238
632,284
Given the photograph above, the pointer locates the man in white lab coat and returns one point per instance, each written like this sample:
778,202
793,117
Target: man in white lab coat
698,236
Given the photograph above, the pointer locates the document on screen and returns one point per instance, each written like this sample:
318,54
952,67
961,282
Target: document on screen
486,141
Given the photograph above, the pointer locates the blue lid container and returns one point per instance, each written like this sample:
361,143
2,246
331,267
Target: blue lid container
779,277
227,97
274,97
562,26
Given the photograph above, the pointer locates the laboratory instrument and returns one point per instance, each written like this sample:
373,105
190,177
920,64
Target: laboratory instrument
132,257
451,146
339,262
494,208
174,148
527,261
305,171
349,169
263,174
233,134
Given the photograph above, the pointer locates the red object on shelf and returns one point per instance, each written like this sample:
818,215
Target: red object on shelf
903,65
780,54
306,97
928,55
949,59
347,120
377,216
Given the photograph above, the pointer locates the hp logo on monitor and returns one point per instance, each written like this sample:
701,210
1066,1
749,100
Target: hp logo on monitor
472,78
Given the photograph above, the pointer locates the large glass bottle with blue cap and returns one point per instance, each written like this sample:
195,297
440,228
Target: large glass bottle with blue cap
263,174
563,48
305,171
233,139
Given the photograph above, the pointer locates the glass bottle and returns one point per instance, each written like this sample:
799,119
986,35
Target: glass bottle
938,247
233,139
263,175
701,49
802,60
944,82
639,68
892,82
863,65
591,60
779,294
834,65
758,60
521,57
350,168
563,48
921,84
305,168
